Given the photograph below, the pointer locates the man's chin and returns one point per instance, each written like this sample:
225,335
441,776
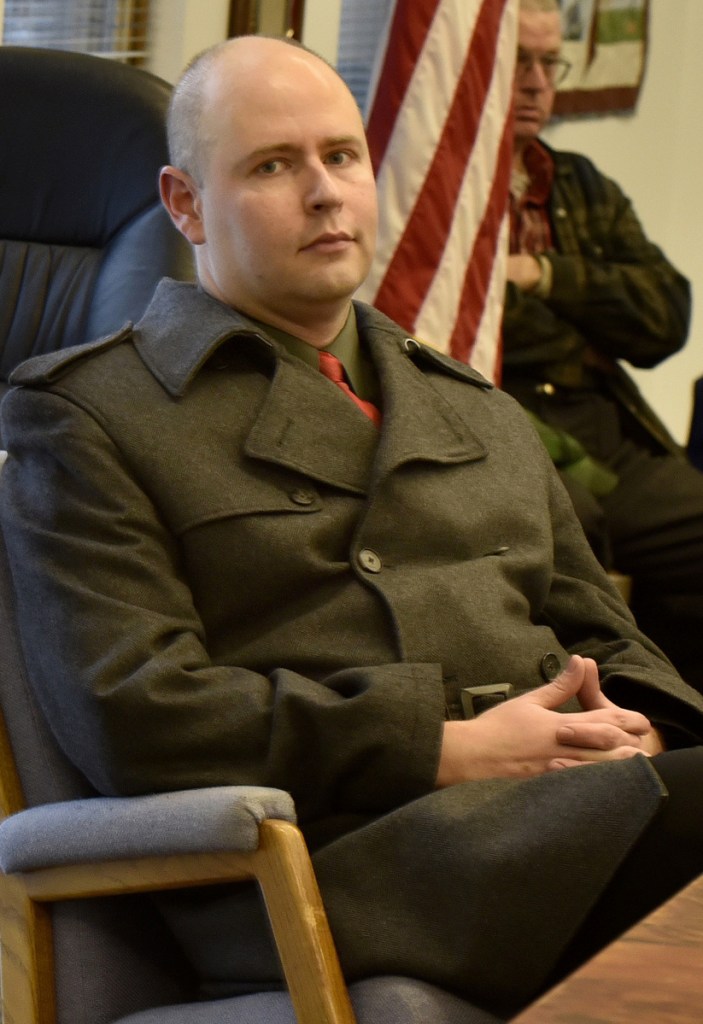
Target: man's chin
526,131
336,287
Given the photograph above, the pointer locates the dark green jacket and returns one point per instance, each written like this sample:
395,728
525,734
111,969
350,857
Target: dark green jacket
612,290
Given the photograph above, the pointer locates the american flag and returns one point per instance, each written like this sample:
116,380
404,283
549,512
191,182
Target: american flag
438,122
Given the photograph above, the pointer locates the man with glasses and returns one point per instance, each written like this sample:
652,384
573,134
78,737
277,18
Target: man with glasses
586,288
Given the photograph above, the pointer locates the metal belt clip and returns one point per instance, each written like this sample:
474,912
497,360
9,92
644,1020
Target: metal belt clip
475,699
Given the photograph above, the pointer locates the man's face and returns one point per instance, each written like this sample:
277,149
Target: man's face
539,36
288,200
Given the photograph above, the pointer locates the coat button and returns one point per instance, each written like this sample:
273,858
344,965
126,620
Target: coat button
550,667
302,497
369,560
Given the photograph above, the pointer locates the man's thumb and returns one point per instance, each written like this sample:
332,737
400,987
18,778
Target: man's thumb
566,685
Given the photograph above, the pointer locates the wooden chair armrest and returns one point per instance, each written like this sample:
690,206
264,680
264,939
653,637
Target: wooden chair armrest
281,866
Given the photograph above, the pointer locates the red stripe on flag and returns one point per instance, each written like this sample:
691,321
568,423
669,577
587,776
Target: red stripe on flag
481,261
409,276
411,23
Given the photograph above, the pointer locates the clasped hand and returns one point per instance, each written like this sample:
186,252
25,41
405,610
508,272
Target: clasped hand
528,735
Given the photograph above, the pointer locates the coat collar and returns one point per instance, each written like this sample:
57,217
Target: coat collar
303,422
182,328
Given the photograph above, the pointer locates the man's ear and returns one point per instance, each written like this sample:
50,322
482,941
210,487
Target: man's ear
180,196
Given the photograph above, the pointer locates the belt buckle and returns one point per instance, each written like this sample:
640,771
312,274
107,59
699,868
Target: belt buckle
476,699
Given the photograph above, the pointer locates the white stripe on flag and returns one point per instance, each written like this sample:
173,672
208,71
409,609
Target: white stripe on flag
410,155
487,350
441,305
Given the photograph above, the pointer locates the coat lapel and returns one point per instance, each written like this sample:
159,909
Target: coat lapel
419,424
307,424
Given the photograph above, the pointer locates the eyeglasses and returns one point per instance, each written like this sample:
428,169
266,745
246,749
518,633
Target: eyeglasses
555,69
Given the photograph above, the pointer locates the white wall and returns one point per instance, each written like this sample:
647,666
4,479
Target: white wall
656,154
321,27
182,28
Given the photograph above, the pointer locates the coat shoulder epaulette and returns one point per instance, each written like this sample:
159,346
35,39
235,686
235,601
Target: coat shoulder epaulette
51,366
419,351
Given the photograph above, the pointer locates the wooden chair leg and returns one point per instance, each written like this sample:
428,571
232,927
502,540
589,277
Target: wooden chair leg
26,958
300,926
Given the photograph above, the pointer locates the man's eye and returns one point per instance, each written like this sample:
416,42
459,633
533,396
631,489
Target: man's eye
339,159
270,167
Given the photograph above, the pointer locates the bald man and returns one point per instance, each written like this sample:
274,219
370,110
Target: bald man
370,591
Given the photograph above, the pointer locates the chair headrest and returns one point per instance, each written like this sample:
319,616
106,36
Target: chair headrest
84,238
81,141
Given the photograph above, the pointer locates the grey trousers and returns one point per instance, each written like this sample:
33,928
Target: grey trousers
479,889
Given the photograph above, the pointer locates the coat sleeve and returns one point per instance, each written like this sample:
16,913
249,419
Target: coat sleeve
612,288
591,619
118,655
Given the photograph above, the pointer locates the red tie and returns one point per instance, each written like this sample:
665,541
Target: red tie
331,367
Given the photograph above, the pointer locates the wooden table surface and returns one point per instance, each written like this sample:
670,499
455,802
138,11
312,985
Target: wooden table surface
653,974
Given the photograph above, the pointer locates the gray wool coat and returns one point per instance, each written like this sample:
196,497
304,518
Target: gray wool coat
226,575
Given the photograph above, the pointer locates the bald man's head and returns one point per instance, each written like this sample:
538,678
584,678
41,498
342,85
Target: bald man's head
190,131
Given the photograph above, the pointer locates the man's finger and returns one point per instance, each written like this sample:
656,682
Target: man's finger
596,736
591,697
594,757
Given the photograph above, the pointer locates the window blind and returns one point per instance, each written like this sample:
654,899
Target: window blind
363,23
109,28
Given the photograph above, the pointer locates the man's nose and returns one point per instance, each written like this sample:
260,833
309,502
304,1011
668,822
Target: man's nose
534,75
322,187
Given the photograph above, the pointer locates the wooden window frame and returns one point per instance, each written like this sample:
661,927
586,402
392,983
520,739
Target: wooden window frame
243,18
127,43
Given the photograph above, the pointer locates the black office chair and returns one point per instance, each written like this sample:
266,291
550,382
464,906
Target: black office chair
694,447
83,236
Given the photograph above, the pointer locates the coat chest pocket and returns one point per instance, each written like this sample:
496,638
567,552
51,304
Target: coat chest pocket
266,551
232,495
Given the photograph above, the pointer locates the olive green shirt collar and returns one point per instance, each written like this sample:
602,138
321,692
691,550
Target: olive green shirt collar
346,347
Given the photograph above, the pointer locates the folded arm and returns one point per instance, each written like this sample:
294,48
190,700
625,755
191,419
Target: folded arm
611,288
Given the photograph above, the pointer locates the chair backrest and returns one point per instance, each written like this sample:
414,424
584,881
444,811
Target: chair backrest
112,956
83,236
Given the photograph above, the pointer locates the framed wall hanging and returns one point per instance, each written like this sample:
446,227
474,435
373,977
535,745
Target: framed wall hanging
606,44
